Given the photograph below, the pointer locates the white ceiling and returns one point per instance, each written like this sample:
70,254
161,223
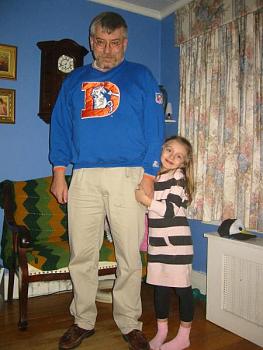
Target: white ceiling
157,9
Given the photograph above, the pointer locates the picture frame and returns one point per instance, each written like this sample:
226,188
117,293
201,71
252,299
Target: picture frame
8,55
7,106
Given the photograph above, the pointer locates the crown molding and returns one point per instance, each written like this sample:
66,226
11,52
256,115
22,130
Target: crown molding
130,7
173,7
141,10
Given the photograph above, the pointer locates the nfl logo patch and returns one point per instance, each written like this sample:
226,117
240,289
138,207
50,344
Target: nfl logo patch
159,97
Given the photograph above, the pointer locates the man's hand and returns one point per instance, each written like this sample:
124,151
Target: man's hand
147,185
59,187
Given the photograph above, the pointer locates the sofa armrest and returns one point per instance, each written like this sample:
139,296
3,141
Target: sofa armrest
24,239
21,234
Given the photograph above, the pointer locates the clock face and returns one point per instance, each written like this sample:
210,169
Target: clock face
65,64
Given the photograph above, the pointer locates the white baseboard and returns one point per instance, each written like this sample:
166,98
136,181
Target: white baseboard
199,281
2,292
36,289
50,287
45,288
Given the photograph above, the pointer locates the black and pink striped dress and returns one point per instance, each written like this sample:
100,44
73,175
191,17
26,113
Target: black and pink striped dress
170,250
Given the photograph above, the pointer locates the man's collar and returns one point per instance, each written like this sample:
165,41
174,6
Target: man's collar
95,66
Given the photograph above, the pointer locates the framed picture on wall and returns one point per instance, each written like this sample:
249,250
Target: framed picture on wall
7,106
7,61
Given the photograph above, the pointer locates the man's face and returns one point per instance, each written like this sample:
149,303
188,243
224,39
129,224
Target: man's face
108,48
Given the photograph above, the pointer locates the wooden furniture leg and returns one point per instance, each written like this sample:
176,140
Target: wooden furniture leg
23,301
11,278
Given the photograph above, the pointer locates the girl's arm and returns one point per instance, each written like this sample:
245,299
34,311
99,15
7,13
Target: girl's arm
142,197
174,198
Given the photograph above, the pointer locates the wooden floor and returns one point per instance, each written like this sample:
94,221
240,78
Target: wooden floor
49,317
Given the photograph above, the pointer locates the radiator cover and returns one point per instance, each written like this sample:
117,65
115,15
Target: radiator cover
235,285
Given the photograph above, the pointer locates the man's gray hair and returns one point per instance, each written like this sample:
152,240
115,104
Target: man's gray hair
109,21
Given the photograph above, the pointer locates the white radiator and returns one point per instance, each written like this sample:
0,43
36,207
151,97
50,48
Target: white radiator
235,286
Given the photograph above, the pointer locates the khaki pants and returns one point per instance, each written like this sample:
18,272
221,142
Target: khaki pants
93,194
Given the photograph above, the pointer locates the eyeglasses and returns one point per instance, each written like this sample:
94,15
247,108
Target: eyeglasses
113,44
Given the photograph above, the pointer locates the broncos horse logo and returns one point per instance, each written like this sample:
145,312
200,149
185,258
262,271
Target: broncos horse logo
101,99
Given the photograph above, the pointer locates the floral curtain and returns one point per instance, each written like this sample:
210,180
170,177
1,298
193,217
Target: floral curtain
200,16
221,113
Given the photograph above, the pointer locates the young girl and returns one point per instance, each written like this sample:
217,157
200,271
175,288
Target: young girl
170,250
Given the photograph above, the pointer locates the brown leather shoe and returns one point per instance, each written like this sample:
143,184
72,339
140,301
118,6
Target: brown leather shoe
136,340
73,337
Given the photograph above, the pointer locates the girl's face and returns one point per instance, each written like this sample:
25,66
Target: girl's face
173,156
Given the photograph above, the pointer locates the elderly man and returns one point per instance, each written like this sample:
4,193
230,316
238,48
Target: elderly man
108,123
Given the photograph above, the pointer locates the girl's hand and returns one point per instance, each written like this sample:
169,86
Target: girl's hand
147,184
141,197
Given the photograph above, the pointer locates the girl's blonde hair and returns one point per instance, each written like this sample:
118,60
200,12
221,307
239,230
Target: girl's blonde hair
188,167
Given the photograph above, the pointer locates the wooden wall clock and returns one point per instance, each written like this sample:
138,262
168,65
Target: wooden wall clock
58,58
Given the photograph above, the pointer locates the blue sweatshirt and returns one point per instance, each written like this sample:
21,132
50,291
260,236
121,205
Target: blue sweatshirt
108,119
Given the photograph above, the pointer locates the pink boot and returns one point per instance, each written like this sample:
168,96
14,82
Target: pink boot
159,339
180,342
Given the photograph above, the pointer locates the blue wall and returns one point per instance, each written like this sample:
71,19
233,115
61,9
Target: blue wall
24,145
